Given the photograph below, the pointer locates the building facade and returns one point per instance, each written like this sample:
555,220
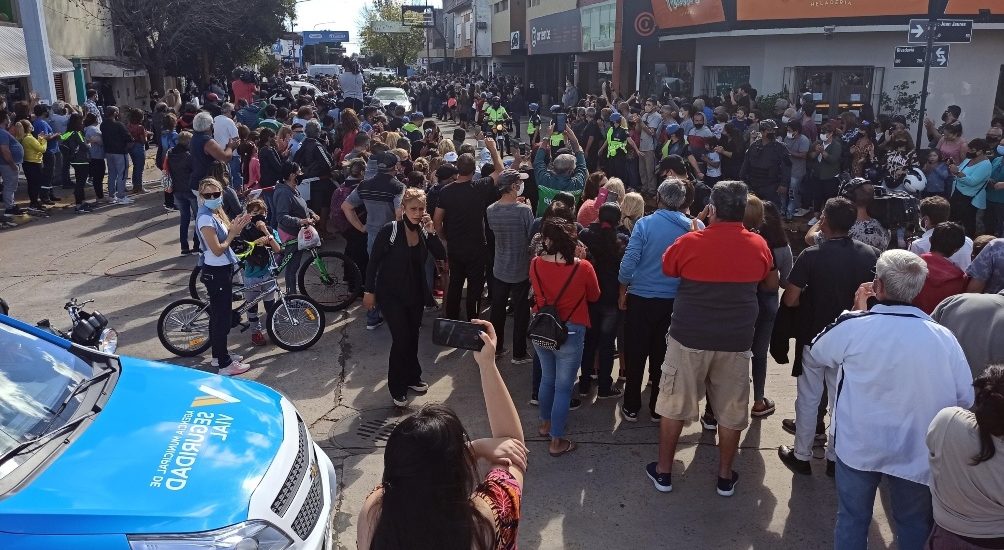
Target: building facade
471,34
509,37
843,55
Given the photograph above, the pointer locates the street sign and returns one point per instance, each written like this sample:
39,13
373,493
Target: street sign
418,16
515,42
959,31
320,37
913,57
388,27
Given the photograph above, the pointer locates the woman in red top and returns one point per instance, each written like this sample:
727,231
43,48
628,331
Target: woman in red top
348,130
137,148
569,284
430,498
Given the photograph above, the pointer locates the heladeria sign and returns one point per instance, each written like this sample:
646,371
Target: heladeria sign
555,33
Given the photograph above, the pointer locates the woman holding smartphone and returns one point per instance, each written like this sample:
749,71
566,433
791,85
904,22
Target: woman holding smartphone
396,278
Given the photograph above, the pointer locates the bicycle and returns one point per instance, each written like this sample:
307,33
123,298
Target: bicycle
314,279
295,322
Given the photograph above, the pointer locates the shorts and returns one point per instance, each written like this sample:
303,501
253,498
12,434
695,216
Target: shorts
688,374
320,194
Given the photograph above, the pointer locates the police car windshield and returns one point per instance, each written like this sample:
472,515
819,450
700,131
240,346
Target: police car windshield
35,378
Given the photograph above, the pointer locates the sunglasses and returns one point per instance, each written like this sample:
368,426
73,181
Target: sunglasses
212,195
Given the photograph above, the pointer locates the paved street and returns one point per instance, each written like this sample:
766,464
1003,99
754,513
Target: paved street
125,258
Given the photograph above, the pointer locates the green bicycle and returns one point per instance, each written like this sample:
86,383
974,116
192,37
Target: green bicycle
330,278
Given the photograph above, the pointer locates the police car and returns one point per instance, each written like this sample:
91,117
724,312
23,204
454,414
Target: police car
105,452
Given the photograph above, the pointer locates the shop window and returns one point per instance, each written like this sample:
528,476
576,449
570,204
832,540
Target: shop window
999,100
720,80
835,89
677,76
59,82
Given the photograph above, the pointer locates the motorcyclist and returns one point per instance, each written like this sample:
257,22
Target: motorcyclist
533,125
495,115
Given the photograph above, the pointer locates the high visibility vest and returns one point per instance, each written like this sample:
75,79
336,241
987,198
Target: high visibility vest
496,115
531,126
409,128
557,140
614,145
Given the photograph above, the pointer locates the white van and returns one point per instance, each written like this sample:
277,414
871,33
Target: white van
328,70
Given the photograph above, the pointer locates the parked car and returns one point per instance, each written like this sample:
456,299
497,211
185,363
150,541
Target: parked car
102,451
397,95
295,85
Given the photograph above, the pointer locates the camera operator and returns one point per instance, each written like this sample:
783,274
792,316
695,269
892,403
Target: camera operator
866,229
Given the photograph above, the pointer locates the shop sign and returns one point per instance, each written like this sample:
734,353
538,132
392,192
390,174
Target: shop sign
555,33
671,14
762,10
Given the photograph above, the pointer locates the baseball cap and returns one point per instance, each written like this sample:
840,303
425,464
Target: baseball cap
768,124
386,160
672,128
510,177
212,97
417,115
450,156
615,117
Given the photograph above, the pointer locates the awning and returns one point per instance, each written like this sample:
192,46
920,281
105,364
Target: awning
113,69
14,57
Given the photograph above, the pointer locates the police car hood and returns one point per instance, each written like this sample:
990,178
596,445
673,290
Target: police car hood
175,450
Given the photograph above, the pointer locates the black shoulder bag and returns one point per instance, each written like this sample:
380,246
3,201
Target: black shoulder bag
547,330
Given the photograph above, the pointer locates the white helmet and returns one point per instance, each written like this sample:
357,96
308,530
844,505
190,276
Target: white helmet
915,181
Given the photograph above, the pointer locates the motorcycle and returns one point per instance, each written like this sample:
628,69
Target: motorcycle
88,329
499,131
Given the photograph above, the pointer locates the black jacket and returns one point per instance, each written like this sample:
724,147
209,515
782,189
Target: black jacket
314,159
179,165
270,165
391,273
766,167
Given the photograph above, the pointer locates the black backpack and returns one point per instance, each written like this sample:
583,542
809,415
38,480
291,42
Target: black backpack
547,330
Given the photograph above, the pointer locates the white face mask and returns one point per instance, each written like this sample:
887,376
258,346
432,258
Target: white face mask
785,119
683,114
519,190
825,137
791,135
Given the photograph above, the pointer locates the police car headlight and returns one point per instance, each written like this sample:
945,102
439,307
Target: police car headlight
108,342
247,535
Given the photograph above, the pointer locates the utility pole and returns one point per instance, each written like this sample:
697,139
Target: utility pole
934,9
36,44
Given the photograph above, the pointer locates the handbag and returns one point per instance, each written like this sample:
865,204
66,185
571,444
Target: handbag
307,238
165,174
547,330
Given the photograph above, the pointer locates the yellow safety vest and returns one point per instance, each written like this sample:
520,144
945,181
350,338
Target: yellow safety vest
613,145
557,140
496,115
531,126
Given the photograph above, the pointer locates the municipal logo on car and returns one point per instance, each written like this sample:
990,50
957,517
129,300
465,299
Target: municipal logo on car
211,396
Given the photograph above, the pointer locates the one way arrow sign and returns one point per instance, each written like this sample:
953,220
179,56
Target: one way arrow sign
907,57
958,31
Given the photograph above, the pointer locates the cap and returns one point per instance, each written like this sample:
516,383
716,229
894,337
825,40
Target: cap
768,124
451,156
509,177
417,115
212,97
781,103
446,171
615,117
386,160
672,128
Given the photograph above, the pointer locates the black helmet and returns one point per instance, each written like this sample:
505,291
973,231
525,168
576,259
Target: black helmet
555,109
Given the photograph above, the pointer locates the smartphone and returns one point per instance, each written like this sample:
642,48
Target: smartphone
603,196
481,144
457,334
559,122
522,149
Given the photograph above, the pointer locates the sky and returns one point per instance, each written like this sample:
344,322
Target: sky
337,15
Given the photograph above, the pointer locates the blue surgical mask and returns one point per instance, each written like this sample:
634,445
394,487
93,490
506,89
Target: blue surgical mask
213,204
1000,150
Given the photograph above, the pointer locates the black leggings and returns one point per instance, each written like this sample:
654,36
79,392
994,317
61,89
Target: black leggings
219,285
97,173
403,368
964,212
33,173
80,173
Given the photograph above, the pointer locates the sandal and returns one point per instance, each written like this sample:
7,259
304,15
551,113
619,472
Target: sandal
767,410
544,433
571,447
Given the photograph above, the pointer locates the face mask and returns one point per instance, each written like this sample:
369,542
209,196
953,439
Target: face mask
698,125
825,137
791,135
213,204
683,114
519,190
785,119
972,155
1000,150
408,224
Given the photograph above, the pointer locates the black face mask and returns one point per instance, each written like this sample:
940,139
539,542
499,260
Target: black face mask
696,125
409,225
972,154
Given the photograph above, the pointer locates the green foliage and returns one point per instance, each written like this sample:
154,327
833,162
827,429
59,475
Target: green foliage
901,101
765,103
399,49
381,81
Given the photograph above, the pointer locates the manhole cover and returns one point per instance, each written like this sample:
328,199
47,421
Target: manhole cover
366,429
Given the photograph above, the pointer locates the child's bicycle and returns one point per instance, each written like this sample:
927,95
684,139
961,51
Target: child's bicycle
294,323
330,278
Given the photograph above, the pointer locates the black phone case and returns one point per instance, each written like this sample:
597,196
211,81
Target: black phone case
457,334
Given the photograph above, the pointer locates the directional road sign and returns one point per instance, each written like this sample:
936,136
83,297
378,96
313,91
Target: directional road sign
947,30
913,56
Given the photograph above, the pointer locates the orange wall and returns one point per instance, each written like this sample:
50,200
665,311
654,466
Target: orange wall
757,10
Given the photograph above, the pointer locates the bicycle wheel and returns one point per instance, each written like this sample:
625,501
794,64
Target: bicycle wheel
196,290
183,327
332,280
295,325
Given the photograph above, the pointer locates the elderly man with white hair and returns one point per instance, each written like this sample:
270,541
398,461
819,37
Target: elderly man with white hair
225,131
567,172
205,149
896,369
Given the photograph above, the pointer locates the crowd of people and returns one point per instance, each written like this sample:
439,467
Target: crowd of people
644,233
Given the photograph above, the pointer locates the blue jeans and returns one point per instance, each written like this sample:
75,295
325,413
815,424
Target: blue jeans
137,154
117,164
8,177
600,336
910,502
236,176
794,198
188,207
761,339
558,370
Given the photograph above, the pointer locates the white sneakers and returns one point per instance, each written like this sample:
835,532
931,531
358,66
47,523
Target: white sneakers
122,200
235,368
233,357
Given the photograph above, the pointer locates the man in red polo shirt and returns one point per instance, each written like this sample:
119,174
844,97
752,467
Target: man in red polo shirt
711,331
944,278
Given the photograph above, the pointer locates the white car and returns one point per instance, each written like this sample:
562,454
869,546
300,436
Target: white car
397,95
381,71
295,86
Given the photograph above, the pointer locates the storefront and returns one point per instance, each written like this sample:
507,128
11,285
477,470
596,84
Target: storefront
14,70
842,55
552,44
599,26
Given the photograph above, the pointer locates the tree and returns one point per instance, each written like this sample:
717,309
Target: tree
188,36
398,48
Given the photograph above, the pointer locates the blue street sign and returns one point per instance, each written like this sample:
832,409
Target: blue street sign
321,37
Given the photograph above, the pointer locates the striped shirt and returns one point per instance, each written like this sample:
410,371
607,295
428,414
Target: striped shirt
511,224
381,197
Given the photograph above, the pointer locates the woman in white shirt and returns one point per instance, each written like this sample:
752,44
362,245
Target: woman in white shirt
217,231
351,82
967,469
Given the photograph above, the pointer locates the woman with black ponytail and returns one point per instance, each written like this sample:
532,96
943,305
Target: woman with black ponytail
967,469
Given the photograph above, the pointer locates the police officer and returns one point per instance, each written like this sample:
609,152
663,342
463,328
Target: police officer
496,114
557,138
767,165
533,125
618,141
